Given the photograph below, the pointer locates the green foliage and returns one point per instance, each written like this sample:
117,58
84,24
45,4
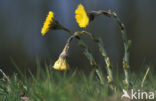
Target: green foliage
51,85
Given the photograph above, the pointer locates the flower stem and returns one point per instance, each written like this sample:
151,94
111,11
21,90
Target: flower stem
126,42
91,60
86,50
104,54
66,48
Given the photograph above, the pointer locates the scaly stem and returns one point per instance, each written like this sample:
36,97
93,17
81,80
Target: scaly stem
91,60
104,54
127,43
86,50
107,60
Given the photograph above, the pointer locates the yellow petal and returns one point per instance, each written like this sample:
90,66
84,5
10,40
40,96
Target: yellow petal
47,24
61,64
81,16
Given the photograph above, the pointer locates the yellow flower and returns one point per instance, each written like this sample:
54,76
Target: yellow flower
47,24
61,64
81,16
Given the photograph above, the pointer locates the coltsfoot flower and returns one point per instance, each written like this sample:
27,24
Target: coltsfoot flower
48,22
81,16
61,64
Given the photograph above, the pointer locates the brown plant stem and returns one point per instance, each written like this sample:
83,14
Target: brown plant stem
66,48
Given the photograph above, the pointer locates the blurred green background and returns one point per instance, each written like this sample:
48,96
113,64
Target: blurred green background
21,22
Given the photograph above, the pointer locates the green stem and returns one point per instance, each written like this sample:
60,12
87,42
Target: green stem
145,76
124,38
104,54
5,75
86,51
91,60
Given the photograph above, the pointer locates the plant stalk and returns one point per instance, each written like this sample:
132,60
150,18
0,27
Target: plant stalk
127,43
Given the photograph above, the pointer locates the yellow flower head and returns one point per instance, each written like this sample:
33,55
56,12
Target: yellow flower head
61,64
81,16
47,24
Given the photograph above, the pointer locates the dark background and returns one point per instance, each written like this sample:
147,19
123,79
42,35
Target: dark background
21,22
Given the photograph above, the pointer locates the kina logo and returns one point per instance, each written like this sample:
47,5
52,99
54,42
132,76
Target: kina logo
139,94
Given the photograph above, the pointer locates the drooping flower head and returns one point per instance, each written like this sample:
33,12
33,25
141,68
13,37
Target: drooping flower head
81,16
48,22
61,64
